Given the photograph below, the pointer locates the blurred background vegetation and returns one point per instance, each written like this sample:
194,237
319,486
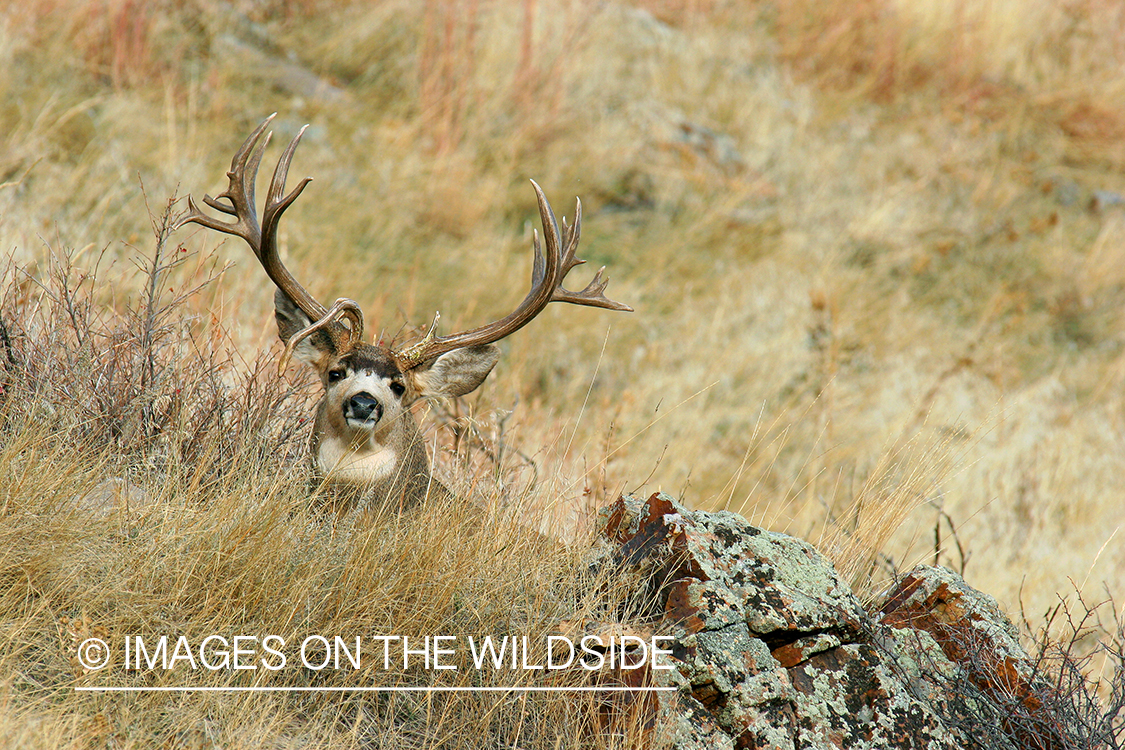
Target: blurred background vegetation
876,248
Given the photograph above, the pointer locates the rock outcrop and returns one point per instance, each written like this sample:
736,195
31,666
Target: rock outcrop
772,650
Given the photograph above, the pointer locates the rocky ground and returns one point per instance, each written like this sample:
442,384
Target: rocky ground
772,649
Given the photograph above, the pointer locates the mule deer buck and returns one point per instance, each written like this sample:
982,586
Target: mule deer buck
364,436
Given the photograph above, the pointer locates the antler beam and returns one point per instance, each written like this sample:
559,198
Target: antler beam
547,275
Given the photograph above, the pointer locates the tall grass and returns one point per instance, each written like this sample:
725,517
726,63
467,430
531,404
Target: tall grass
152,483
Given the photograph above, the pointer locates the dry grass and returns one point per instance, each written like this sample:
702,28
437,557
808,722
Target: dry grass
152,485
872,246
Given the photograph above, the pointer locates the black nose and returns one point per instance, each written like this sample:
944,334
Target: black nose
363,408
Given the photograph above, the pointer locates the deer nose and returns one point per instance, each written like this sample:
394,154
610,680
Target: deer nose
364,408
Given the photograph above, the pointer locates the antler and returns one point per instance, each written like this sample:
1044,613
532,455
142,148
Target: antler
547,275
262,239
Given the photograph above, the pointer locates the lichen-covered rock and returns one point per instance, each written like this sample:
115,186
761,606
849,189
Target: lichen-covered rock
971,631
772,650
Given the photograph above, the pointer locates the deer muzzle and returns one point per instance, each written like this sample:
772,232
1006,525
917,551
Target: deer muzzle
363,407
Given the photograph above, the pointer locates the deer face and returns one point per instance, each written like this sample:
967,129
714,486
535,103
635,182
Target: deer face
364,393
367,395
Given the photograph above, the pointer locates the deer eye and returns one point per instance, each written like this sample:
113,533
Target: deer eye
337,374
397,388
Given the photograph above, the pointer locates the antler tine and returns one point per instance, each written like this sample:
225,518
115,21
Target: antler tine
240,193
592,295
267,252
551,264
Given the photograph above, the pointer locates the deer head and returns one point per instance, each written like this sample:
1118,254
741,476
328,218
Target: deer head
364,434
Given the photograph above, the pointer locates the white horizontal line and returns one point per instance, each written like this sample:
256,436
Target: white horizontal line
268,689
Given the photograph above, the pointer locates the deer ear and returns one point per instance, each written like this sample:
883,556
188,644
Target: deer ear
455,373
290,319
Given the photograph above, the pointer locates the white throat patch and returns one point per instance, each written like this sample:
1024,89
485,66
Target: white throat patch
338,461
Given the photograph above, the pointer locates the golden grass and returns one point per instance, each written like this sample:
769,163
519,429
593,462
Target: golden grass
149,487
250,558
878,291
